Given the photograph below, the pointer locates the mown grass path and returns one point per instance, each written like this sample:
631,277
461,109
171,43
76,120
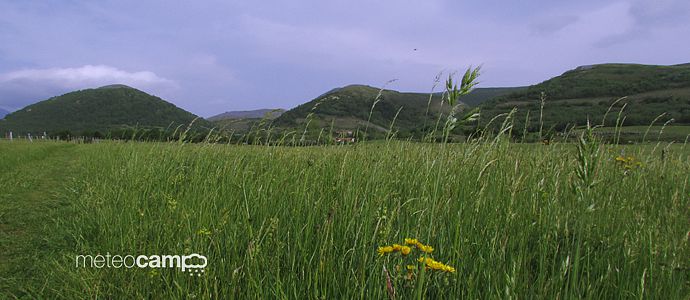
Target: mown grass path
31,179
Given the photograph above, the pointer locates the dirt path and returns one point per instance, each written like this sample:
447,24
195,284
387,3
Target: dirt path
29,204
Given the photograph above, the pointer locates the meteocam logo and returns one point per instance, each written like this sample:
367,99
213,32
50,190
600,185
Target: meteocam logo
194,263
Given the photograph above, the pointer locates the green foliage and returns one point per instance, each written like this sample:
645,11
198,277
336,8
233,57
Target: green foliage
587,161
453,94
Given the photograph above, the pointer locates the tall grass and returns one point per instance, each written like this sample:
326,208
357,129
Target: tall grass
281,222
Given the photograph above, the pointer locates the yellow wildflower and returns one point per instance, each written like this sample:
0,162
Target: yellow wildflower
419,245
396,247
410,241
426,260
435,265
628,163
425,248
384,250
405,250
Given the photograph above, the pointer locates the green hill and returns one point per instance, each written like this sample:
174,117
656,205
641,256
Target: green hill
248,114
481,95
587,92
105,109
243,121
348,108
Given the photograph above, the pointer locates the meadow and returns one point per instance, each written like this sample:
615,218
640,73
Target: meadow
512,220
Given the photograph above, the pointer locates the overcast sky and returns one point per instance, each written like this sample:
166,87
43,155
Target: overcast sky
213,56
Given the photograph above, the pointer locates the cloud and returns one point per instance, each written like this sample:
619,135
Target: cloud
666,13
22,87
601,24
85,76
659,20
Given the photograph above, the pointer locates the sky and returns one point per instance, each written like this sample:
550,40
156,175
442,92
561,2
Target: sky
209,57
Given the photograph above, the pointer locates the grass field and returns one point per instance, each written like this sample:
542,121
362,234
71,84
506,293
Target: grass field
677,133
514,220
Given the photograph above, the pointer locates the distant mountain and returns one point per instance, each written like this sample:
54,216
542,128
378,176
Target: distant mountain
248,114
244,121
3,113
102,109
587,92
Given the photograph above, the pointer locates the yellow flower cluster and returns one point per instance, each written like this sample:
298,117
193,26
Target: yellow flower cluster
435,265
404,250
407,248
628,162
420,246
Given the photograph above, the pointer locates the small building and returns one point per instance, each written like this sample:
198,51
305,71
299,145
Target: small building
345,137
